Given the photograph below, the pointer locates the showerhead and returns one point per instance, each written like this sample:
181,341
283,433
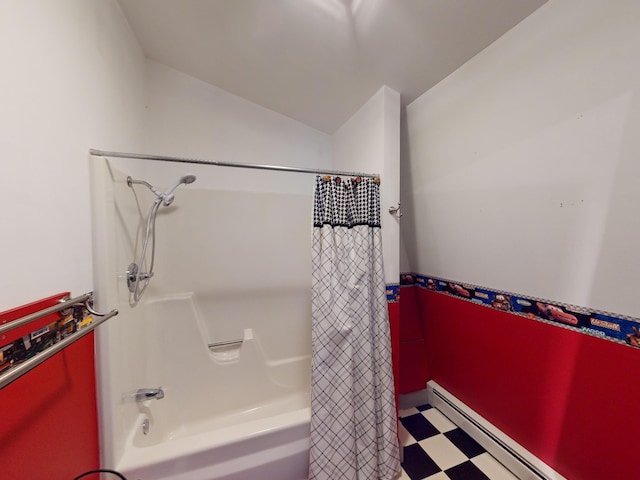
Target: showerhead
187,179
168,197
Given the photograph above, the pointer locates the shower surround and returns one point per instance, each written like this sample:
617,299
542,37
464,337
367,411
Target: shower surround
223,328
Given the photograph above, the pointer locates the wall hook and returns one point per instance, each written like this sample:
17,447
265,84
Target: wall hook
395,211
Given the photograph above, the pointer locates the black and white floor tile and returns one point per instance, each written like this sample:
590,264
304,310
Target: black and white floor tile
436,449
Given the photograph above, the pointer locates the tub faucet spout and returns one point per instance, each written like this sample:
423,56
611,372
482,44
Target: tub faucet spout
145,394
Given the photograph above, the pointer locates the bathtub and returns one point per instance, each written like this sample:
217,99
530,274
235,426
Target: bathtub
229,412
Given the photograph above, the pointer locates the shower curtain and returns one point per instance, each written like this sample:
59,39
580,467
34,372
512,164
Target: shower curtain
353,412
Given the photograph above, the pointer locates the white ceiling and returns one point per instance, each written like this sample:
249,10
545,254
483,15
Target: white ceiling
319,61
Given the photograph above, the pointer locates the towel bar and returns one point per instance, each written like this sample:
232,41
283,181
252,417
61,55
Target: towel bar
16,372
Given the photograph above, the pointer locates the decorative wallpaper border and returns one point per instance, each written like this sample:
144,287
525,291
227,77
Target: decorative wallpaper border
609,326
393,292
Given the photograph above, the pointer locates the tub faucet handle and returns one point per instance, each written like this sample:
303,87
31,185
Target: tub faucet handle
144,394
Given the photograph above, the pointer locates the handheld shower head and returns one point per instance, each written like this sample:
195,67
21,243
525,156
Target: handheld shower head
168,197
138,281
188,178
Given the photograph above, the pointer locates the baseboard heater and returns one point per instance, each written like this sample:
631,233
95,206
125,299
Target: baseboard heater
513,456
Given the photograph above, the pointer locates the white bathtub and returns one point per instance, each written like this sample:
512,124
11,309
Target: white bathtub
229,413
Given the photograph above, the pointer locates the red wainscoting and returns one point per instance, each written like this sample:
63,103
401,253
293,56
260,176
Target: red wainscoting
49,417
569,398
412,369
394,330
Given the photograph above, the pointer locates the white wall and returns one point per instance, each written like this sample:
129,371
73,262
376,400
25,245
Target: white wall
523,164
189,118
72,79
369,142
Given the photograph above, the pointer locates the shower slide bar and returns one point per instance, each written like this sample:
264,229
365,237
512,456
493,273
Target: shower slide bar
16,372
339,173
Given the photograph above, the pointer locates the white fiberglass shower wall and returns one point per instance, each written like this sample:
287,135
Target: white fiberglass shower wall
229,265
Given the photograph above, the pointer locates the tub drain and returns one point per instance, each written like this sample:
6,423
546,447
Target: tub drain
145,426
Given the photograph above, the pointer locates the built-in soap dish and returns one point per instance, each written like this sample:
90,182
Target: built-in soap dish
227,351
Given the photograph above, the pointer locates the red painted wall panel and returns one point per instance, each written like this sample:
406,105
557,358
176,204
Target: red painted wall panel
394,326
49,416
567,397
413,372
410,326
413,369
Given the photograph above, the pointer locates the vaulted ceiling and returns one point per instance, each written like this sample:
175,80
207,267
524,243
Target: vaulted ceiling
318,61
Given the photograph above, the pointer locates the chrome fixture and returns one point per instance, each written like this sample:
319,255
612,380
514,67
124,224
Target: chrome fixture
145,426
166,198
279,168
395,211
226,343
144,394
137,280
133,277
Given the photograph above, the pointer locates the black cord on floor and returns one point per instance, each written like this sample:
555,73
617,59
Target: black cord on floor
101,470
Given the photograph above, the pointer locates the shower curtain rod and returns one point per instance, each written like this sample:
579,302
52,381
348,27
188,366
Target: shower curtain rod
103,153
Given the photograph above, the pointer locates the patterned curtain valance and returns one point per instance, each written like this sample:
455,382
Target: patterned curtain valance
346,202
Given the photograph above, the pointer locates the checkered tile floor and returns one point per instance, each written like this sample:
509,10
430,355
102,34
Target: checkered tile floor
435,449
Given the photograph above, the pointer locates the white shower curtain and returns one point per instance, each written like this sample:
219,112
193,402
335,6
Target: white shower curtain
353,412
